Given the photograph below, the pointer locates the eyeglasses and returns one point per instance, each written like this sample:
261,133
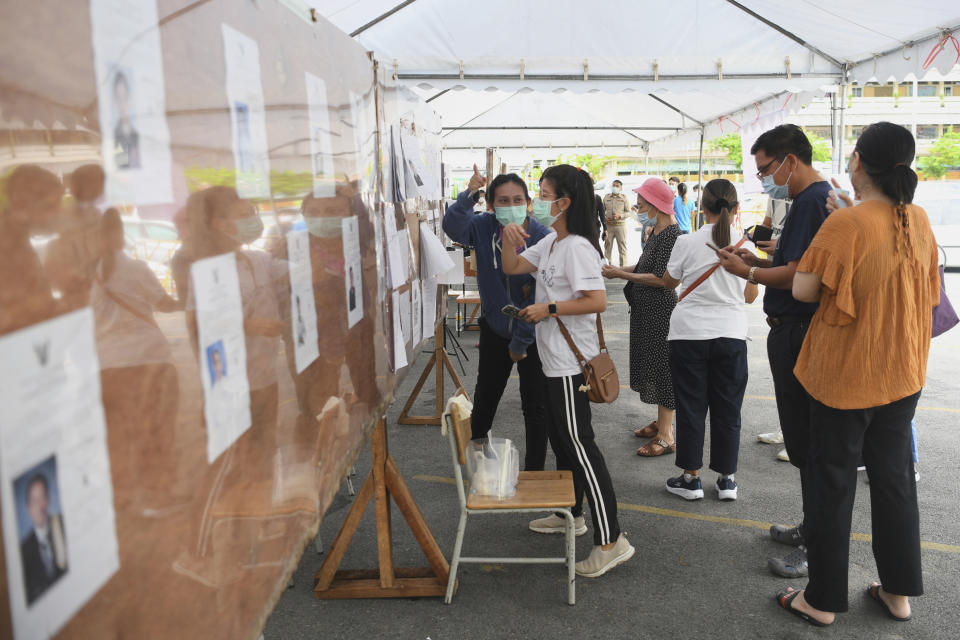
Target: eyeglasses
763,170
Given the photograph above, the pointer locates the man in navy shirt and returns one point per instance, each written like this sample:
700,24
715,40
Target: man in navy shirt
783,156
504,340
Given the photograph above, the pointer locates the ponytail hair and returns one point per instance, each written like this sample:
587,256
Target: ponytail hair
720,199
682,192
570,182
886,151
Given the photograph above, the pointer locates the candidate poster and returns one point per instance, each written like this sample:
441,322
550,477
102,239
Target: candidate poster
59,526
303,309
353,273
222,351
134,136
248,123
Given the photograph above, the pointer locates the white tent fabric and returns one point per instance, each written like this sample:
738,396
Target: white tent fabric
613,74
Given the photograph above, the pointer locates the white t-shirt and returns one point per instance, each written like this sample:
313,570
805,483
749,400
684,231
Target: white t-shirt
564,273
716,308
125,339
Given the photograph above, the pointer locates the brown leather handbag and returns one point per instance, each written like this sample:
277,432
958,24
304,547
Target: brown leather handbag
601,381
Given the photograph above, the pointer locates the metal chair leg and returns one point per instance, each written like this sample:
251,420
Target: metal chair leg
571,552
455,560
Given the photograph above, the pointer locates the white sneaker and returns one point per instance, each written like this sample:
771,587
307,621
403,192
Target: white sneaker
556,524
783,456
774,437
600,561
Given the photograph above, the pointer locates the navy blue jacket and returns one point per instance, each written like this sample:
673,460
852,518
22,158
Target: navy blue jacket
482,232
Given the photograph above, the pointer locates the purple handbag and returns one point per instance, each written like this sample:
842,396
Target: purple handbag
944,317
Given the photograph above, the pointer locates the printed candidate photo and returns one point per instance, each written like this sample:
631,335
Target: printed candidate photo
216,362
244,143
126,139
43,545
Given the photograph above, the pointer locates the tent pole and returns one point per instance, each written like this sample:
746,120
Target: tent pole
843,108
700,173
835,150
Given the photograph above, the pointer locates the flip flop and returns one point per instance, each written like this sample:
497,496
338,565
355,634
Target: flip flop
874,592
648,431
785,598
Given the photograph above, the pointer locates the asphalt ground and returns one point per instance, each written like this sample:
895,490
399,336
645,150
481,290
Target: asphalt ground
700,570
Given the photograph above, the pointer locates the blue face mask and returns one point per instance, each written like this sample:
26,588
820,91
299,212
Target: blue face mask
516,214
615,190
541,212
774,190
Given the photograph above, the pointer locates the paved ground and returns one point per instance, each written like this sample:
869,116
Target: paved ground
700,568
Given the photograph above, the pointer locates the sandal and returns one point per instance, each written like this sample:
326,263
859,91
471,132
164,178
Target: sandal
874,592
648,431
658,447
785,599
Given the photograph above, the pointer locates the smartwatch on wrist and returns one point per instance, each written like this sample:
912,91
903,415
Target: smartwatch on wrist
552,309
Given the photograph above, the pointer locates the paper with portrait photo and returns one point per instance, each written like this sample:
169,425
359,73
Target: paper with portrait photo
397,252
429,305
321,143
303,308
352,270
56,491
455,274
223,351
131,100
399,346
251,158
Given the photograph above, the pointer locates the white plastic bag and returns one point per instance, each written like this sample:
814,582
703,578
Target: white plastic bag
494,466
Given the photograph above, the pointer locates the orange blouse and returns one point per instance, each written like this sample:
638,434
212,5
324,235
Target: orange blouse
868,343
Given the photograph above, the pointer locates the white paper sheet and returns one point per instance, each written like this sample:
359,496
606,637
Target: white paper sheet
223,351
399,346
381,260
247,114
53,425
303,308
416,308
434,257
455,274
353,273
405,318
415,173
398,252
362,122
429,306
321,144
131,100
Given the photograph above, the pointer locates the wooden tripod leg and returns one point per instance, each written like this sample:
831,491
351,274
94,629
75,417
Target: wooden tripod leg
335,555
404,417
453,374
378,446
421,531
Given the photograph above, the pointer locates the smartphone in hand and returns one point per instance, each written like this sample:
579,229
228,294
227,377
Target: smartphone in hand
760,233
512,311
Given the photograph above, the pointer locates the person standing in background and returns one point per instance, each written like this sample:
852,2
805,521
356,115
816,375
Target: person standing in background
682,209
617,211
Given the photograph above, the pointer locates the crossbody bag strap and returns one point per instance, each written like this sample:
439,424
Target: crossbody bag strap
569,339
603,345
706,274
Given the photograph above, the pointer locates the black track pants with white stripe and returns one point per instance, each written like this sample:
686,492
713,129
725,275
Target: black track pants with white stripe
571,435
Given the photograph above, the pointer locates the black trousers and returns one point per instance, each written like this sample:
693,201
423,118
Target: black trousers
837,438
571,434
793,401
708,374
492,374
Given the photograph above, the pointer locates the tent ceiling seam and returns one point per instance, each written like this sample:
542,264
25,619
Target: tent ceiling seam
789,34
906,45
594,78
381,18
670,106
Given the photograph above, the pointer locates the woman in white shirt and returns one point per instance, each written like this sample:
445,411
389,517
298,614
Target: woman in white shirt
567,265
708,348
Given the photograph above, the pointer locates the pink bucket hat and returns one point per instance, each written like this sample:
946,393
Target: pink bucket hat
656,192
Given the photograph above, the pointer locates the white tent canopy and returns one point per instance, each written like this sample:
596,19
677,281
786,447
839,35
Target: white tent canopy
616,75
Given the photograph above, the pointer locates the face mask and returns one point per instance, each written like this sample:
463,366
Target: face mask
774,190
615,190
516,214
248,229
324,227
541,212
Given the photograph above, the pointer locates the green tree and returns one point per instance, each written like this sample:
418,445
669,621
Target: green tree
732,145
944,155
594,164
821,148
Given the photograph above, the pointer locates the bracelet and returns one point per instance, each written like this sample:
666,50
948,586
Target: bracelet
752,275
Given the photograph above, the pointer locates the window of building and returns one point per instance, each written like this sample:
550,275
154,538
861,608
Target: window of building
927,132
927,91
855,132
856,92
906,90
